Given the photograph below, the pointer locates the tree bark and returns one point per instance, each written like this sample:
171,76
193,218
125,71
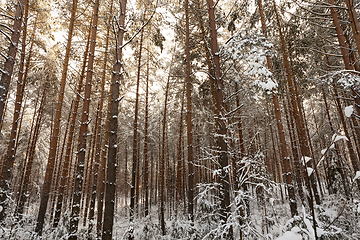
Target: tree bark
134,198
146,148
65,173
10,60
56,129
24,191
11,150
341,38
74,219
220,121
99,115
113,124
188,116
162,159
283,146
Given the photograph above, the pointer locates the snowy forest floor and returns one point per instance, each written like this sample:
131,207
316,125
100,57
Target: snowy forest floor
337,218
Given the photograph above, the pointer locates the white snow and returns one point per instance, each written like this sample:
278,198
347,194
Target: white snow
266,86
309,171
307,159
349,110
290,236
337,137
357,176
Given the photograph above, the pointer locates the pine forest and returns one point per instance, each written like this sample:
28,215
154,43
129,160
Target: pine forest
180,119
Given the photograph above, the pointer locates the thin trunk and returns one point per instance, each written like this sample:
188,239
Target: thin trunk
134,198
59,165
300,125
294,147
340,35
98,126
354,22
24,191
7,71
117,77
283,145
5,79
75,211
65,173
353,158
102,177
220,122
56,130
162,159
180,166
305,150
188,116
146,150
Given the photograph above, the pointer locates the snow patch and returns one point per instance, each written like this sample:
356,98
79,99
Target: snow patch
357,176
309,171
337,137
290,236
267,86
306,159
349,110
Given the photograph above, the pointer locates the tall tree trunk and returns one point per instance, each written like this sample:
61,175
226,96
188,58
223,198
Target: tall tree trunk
98,125
220,122
283,146
300,125
56,130
188,116
135,159
180,166
74,219
113,124
10,59
24,191
65,173
11,150
352,154
4,83
146,148
162,159
354,22
102,172
340,35
305,150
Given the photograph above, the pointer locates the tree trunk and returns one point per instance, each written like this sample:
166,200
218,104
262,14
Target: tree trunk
354,22
188,117
135,159
341,38
74,219
11,150
10,60
180,166
353,158
283,145
162,159
65,173
146,148
220,122
56,130
98,126
24,191
113,124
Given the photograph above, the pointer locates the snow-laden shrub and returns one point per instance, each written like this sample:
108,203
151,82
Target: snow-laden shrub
184,229
150,229
326,229
18,229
